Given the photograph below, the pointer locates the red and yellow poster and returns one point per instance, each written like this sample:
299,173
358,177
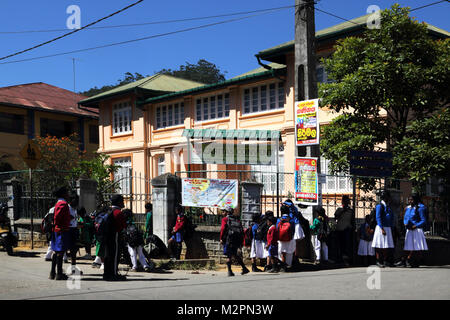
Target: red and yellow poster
306,184
307,122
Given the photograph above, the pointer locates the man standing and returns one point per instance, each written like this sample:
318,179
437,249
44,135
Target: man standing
344,226
116,222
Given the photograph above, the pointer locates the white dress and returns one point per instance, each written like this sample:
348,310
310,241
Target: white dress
381,241
415,240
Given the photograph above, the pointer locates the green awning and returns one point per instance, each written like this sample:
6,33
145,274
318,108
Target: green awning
232,134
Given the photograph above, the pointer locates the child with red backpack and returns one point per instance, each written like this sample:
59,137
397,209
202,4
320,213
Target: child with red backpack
285,239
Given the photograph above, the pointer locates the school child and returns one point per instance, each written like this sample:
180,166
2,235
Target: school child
319,229
60,238
74,232
148,220
135,241
231,237
258,247
365,250
176,240
299,233
86,227
382,238
286,242
272,244
415,220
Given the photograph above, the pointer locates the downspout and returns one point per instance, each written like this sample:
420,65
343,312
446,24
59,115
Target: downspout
265,66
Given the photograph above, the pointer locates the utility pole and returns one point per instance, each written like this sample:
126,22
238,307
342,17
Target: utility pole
305,69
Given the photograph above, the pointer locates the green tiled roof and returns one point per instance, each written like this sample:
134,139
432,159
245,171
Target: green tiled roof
251,75
348,27
158,83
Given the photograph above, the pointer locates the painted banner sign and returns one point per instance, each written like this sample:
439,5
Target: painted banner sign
306,184
307,122
213,193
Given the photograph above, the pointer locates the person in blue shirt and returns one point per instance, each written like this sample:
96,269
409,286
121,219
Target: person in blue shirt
257,250
382,238
299,234
415,220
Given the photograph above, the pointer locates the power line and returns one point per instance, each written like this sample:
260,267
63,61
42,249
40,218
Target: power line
133,40
157,22
427,5
72,32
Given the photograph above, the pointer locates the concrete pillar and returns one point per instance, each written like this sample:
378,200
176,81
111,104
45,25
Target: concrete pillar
166,194
14,194
87,190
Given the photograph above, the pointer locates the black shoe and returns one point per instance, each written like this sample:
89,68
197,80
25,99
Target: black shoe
267,268
61,276
273,270
230,274
401,263
255,269
388,264
245,271
52,276
379,264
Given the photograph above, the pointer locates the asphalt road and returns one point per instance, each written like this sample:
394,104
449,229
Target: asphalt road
25,276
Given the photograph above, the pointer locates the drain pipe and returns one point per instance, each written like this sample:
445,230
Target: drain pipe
265,66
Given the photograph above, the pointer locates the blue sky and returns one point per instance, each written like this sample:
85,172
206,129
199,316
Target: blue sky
230,46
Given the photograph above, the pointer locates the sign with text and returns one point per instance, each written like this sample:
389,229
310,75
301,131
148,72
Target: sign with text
306,181
307,122
212,193
370,163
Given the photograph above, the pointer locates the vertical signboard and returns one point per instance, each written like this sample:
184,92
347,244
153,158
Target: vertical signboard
306,182
307,122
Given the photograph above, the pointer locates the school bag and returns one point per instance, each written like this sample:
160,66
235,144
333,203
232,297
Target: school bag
284,231
189,228
324,232
47,223
261,231
248,237
373,219
133,236
102,224
235,232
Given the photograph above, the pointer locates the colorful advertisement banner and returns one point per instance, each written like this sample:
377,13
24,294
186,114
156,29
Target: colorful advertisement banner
213,193
307,122
306,184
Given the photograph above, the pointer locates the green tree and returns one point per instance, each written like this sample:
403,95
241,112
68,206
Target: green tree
204,72
384,80
99,170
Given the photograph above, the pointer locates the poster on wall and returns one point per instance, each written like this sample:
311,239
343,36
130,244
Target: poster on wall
307,122
212,193
306,182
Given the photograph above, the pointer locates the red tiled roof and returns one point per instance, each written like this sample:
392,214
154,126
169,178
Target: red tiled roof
45,97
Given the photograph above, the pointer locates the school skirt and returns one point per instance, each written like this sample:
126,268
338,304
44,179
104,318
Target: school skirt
380,241
298,234
286,246
365,248
415,240
61,241
258,249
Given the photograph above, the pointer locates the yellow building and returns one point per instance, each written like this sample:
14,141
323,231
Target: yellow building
40,109
142,130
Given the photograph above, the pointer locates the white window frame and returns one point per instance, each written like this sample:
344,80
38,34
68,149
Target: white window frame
213,107
267,175
123,174
335,184
122,118
265,97
169,115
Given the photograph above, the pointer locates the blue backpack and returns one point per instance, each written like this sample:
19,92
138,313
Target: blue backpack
102,224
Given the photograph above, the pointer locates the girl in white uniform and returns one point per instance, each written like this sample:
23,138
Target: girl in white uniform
382,238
